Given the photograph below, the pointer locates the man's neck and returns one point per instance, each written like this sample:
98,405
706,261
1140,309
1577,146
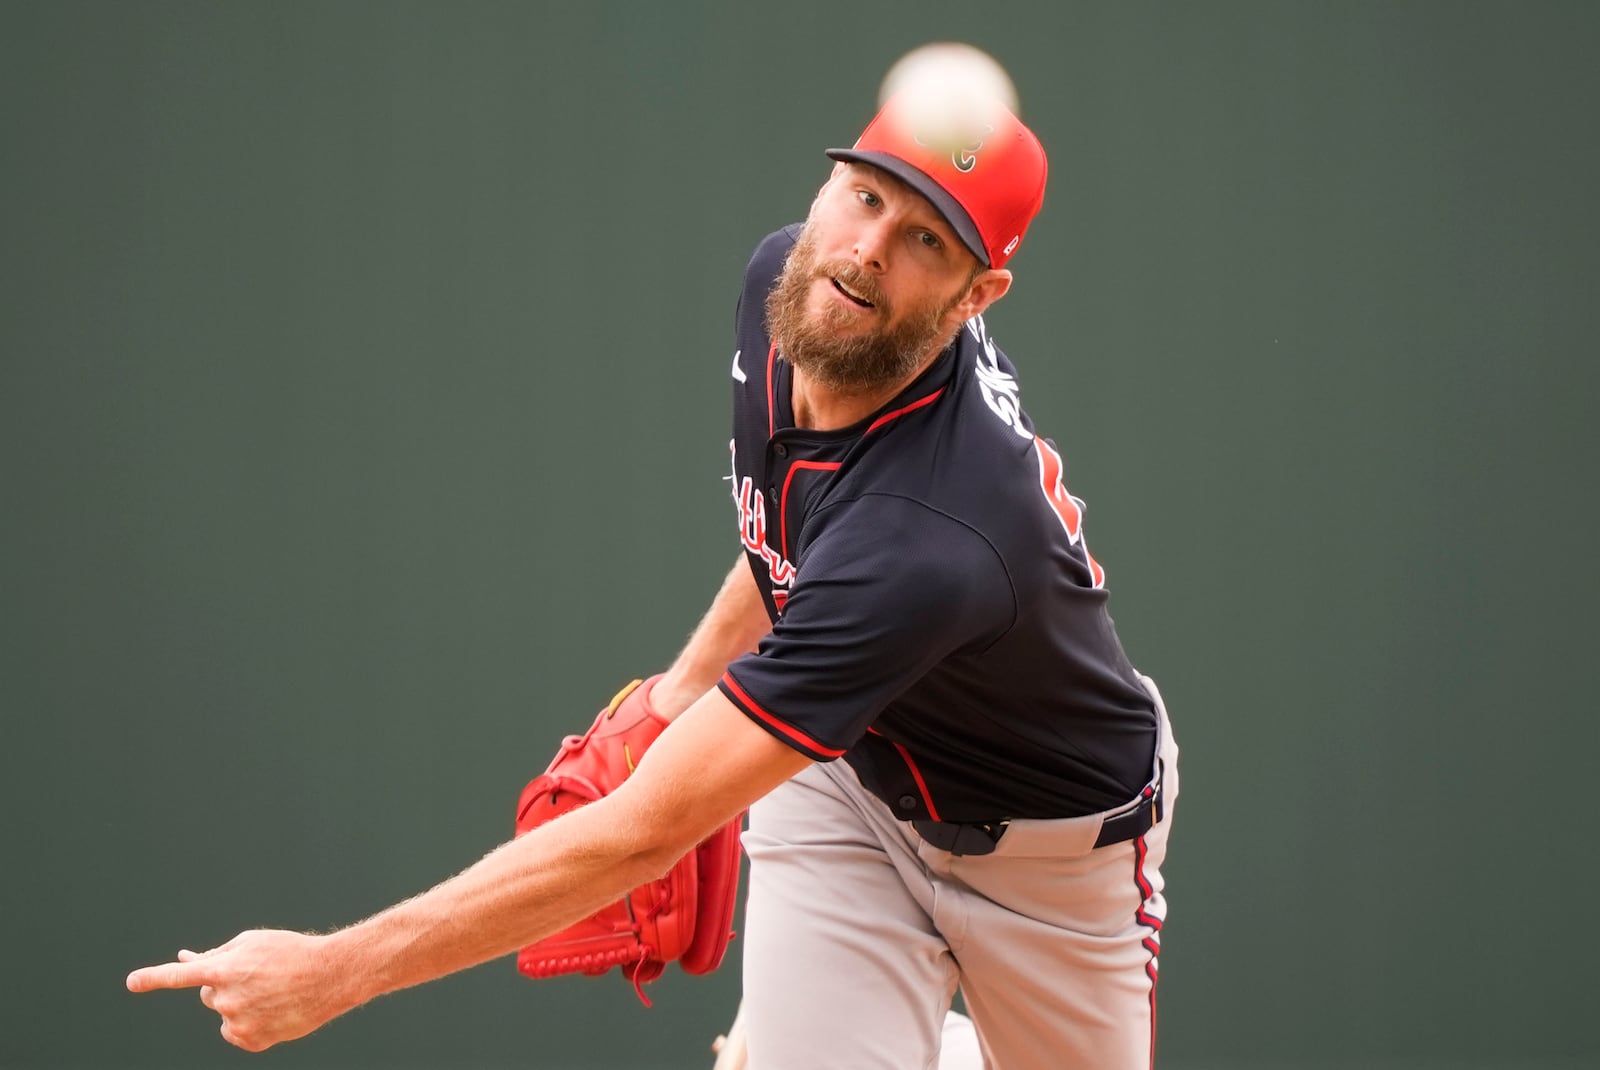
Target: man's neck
820,408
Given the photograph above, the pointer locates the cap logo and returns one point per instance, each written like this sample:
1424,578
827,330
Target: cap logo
962,147
1010,245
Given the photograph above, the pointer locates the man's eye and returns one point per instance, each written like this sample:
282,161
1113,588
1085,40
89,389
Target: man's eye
930,239
869,198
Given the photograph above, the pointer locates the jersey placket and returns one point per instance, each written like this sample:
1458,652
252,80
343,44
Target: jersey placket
791,467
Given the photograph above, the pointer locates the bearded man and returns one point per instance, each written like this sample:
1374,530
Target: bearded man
914,595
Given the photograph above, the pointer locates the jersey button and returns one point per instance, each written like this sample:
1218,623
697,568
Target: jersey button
780,449
908,802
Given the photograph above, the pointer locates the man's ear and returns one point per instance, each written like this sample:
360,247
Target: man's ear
990,286
832,177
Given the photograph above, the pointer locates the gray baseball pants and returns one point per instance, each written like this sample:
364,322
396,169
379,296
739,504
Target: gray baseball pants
857,933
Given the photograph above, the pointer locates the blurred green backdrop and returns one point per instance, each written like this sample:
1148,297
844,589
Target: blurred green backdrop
363,417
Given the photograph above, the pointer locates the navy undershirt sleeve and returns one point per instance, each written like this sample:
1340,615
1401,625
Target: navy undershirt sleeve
886,588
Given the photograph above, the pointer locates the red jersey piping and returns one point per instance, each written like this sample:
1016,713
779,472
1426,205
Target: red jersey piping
787,730
783,502
886,417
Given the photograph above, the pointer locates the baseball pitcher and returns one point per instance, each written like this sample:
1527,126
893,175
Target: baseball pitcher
954,777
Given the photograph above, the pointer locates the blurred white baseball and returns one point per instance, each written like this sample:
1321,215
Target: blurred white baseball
950,70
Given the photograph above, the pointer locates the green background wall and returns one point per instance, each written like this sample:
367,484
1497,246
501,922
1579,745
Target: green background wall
363,417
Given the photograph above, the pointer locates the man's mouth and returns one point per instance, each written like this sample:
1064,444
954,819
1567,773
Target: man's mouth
852,295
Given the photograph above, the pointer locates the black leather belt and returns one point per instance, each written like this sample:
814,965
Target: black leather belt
1132,824
961,839
981,838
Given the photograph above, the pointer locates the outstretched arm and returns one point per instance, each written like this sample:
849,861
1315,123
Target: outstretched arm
272,986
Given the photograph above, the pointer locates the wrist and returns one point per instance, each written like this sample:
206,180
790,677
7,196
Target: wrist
355,975
671,693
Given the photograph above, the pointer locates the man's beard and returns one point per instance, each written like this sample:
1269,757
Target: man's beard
851,364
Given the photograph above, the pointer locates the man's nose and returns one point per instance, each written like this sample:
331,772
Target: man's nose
872,248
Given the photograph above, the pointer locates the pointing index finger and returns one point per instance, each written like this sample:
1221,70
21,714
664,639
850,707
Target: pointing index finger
170,975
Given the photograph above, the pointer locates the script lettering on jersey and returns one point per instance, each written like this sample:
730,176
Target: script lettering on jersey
1000,389
752,507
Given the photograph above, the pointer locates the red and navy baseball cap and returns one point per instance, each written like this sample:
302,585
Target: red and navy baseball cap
979,165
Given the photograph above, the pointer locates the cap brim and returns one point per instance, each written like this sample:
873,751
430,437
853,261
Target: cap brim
923,183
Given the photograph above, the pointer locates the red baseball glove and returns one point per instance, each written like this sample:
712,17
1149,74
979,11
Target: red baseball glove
685,915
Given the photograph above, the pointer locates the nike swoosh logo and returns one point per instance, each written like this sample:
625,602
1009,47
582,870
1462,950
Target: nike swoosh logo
738,372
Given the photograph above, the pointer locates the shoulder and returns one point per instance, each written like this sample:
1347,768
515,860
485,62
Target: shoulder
968,450
973,456
882,537
992,379
760,274
767,260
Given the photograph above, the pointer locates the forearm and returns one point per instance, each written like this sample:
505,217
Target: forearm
560,872
519,893
567,869
273,985
734,625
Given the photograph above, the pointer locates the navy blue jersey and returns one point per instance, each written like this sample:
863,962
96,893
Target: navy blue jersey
938,620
